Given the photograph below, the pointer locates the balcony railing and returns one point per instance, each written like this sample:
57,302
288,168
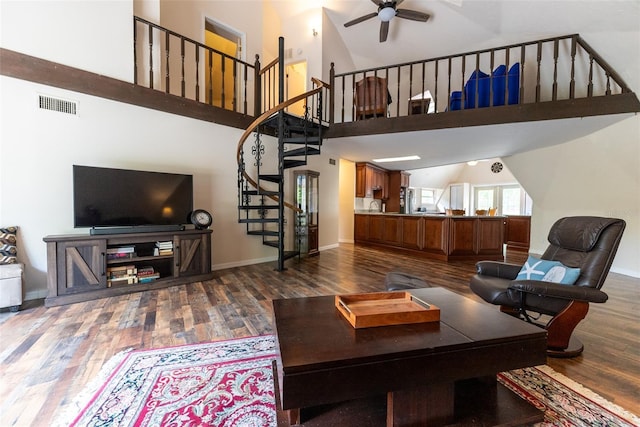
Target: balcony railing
532,72
167,61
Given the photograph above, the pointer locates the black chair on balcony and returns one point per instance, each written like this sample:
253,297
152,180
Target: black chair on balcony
561,284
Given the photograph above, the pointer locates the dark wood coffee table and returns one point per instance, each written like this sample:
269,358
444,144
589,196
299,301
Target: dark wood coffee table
420,368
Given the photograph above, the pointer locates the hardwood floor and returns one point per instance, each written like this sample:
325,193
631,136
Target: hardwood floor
48,355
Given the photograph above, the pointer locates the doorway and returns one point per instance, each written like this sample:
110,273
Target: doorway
221,89
296,84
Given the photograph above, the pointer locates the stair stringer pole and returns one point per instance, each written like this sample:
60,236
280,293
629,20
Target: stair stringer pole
281,83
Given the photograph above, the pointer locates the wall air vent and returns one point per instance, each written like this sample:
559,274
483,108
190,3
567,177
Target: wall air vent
57,104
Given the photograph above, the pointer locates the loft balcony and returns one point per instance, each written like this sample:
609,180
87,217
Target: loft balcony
555,78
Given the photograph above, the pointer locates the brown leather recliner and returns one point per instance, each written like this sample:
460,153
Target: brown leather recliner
585,242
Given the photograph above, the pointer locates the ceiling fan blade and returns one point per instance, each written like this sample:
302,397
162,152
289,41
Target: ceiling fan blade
377,2
414,15
398,2
361,19
384,31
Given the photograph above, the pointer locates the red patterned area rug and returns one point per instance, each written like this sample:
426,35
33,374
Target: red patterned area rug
226,383
564,401
230,384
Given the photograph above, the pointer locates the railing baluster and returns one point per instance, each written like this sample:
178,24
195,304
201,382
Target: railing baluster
477,90
410,80
235,88
257,76
523,50
183,83
449,86
554,86
398,88
538,72
506,78
166,74
135,51
342,108
151,57
197,73
590,84
463,96
246,73
223,103
422,97
491,61
608,90
210,77
572,83
435,92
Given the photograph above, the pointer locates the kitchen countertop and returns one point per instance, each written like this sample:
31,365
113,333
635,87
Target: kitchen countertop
367,212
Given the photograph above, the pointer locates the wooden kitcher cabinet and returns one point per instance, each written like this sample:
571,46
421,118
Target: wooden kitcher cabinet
371,181
83,267
433,236
398,185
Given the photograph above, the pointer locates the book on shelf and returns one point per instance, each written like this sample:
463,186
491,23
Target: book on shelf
126,280
165,245
121,250
145,270
122,270
147,274
121,256
149,278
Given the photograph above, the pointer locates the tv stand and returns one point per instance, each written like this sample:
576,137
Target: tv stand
99,231
88,267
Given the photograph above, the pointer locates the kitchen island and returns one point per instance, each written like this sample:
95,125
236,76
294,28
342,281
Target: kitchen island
442,237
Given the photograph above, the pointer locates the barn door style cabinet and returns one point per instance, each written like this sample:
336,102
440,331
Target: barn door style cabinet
306,198
86,267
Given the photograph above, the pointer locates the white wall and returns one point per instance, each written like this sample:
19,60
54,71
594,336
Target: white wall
347,193
595,175
95,36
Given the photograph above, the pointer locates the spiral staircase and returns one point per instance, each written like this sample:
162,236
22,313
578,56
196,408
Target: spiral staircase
281,141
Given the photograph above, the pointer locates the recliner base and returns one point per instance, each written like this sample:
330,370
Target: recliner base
574,349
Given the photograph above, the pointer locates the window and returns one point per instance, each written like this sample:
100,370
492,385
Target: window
427,196
509,199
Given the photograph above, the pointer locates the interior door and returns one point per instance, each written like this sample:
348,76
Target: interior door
220,88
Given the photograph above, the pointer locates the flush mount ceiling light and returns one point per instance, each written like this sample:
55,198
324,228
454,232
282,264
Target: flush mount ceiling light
396,159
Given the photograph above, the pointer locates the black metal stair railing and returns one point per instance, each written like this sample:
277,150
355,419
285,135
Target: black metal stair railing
281,141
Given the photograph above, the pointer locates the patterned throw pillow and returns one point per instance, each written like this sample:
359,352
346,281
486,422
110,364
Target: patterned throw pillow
8,249
548,271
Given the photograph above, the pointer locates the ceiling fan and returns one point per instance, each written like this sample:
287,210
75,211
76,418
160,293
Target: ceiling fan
386,11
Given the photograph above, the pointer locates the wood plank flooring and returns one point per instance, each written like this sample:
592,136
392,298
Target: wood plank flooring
48,355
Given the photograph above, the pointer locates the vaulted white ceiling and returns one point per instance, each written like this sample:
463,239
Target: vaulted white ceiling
611,27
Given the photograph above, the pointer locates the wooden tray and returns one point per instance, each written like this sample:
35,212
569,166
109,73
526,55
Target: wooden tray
385,308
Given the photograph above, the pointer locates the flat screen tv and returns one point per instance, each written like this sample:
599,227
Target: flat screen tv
121,200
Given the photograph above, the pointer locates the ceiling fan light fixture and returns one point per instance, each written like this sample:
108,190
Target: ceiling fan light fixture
386,13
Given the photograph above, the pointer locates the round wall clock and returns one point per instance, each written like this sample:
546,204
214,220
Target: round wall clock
496,167
201,219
